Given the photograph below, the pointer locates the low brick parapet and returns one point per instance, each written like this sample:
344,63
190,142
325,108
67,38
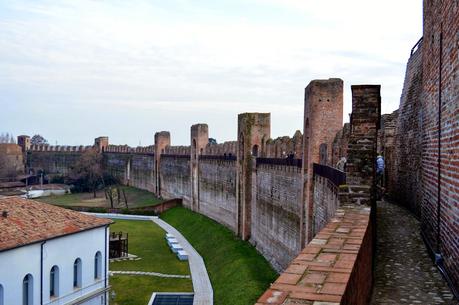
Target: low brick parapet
334,268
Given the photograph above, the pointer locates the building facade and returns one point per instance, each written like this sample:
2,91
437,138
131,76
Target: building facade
52,255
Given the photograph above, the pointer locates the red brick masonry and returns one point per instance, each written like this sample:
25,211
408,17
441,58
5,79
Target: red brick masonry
334,268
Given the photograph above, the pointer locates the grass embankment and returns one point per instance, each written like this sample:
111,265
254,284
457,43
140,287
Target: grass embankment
136,198
239,274
146,240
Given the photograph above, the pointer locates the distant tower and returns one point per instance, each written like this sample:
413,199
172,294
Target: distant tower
254,129
323,118
24,142
199,140
162,140
101,143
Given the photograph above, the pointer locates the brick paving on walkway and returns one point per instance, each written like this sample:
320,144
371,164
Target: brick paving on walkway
405,274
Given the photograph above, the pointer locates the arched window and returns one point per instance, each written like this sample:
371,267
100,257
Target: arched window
77,273
1,295
27,290
54,282
98,265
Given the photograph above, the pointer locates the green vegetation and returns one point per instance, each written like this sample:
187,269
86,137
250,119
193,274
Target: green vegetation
239,274
136,198
137,290
146,240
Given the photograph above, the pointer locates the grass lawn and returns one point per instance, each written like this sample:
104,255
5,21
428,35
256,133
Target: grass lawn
146,240
137,290
136,198
239,274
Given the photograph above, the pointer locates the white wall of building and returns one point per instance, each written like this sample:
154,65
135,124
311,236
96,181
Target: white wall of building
15,264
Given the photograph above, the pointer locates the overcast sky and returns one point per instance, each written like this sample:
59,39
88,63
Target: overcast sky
74,70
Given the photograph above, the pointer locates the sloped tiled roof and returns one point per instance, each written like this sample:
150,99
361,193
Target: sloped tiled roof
30,221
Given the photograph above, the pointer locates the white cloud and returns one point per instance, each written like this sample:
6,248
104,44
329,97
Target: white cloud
192,59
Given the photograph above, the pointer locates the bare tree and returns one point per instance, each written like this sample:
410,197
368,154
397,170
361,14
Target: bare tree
38,140
87,171
6,137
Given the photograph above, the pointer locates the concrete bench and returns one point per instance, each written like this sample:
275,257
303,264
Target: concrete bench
182,255
176,247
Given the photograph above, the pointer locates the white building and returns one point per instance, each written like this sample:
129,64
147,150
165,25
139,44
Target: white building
50,255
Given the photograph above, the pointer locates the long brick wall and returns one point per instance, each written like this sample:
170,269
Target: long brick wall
276,213
217,190
407,188
440,140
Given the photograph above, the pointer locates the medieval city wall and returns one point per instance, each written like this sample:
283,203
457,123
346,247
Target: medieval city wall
405,177
53,162
217,190
254,186
276,217
440,138
175,177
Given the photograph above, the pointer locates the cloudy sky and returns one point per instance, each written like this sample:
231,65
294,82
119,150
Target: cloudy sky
74,70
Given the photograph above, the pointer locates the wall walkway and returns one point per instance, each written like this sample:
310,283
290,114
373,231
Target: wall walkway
404,271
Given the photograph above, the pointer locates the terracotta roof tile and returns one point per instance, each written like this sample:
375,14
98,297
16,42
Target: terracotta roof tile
30,221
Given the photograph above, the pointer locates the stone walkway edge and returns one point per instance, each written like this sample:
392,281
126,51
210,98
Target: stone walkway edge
203,292
150,274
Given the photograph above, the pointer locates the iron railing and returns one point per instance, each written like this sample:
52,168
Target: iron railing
336,176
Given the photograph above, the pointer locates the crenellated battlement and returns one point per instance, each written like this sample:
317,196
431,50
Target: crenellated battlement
283,147
127,149
59,148
222,149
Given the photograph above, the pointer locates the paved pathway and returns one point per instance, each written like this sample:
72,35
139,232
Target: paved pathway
150,274
405,273
203,293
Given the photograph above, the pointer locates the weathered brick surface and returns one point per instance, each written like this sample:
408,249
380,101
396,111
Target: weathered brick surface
142,172
116,164
323,119
405,176
276,213
217,191
386,147
440,54
175,178
325,202
53,162
334,267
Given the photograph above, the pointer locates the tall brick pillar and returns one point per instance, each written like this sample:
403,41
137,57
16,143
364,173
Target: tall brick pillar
162,140
199,140
101,144
254,129
362,148
323,118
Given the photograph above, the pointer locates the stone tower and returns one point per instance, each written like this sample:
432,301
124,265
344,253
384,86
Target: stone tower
323,118
199,140
101,143
24,142
254,129
162,140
